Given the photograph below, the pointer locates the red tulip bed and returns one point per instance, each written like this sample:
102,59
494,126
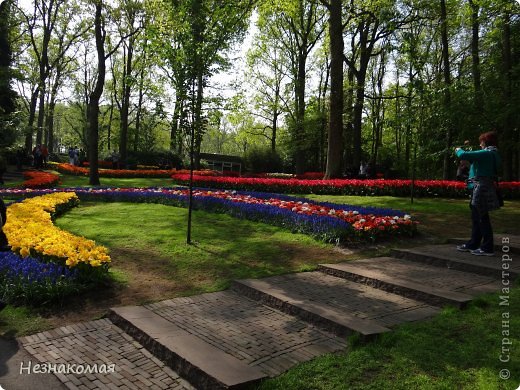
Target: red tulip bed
376,187
40,179
121,173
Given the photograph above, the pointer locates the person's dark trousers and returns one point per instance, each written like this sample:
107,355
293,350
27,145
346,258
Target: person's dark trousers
3,240
481,231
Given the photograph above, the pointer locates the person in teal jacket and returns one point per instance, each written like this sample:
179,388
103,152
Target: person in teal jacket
481,181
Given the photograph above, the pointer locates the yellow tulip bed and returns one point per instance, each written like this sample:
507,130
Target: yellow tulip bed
31,232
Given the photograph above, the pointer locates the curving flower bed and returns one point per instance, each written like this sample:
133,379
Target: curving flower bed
39,179
31,232
377,187
80,171
326,221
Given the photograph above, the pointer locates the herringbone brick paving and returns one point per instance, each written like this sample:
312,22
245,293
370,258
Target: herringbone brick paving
249,331
100,342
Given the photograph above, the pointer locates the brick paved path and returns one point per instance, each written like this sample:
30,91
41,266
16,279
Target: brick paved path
260,328
100,343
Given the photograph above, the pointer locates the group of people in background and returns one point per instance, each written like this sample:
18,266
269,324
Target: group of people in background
73,156
40,155
76,156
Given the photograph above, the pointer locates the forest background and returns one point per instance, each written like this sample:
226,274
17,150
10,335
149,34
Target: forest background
324,85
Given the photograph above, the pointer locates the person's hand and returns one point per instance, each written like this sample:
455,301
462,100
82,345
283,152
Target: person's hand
457,149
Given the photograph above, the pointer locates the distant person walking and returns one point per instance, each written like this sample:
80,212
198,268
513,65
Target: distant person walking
37,156
115,160
71,155
482,173
20,156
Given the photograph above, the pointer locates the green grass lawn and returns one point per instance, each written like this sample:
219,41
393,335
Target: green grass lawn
151,261
224,248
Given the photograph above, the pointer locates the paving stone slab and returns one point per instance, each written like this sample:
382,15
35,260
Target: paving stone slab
447,256
508,242
339,322
199,362
99,344
256,335
337,298
435,285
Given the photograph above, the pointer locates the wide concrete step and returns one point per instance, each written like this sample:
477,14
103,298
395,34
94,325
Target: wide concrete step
427,283
503,243
200,363
336,304
224,340
446,256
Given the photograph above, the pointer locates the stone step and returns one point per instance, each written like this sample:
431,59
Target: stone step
335,304
447,256
200,363
223,339
341,324
504,243
427,283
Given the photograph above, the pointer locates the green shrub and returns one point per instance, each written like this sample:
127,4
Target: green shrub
263,160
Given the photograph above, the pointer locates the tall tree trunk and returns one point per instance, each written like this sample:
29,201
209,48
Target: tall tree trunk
397,115
335,134
447,92
41,114
95,96
299,131
139,110
30,124
475,58
410,115
49,125
49,140
274,128
110,118
349,126
507,67
175,125
199,128
125,104
50,10
358,119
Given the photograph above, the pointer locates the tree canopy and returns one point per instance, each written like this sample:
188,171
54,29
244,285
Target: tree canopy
322,85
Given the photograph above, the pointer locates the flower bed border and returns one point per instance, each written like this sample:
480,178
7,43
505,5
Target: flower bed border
324,227
356,187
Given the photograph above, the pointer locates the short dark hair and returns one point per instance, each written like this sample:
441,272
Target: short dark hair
490,138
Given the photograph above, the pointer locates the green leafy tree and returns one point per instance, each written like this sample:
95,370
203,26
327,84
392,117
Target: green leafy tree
8,106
